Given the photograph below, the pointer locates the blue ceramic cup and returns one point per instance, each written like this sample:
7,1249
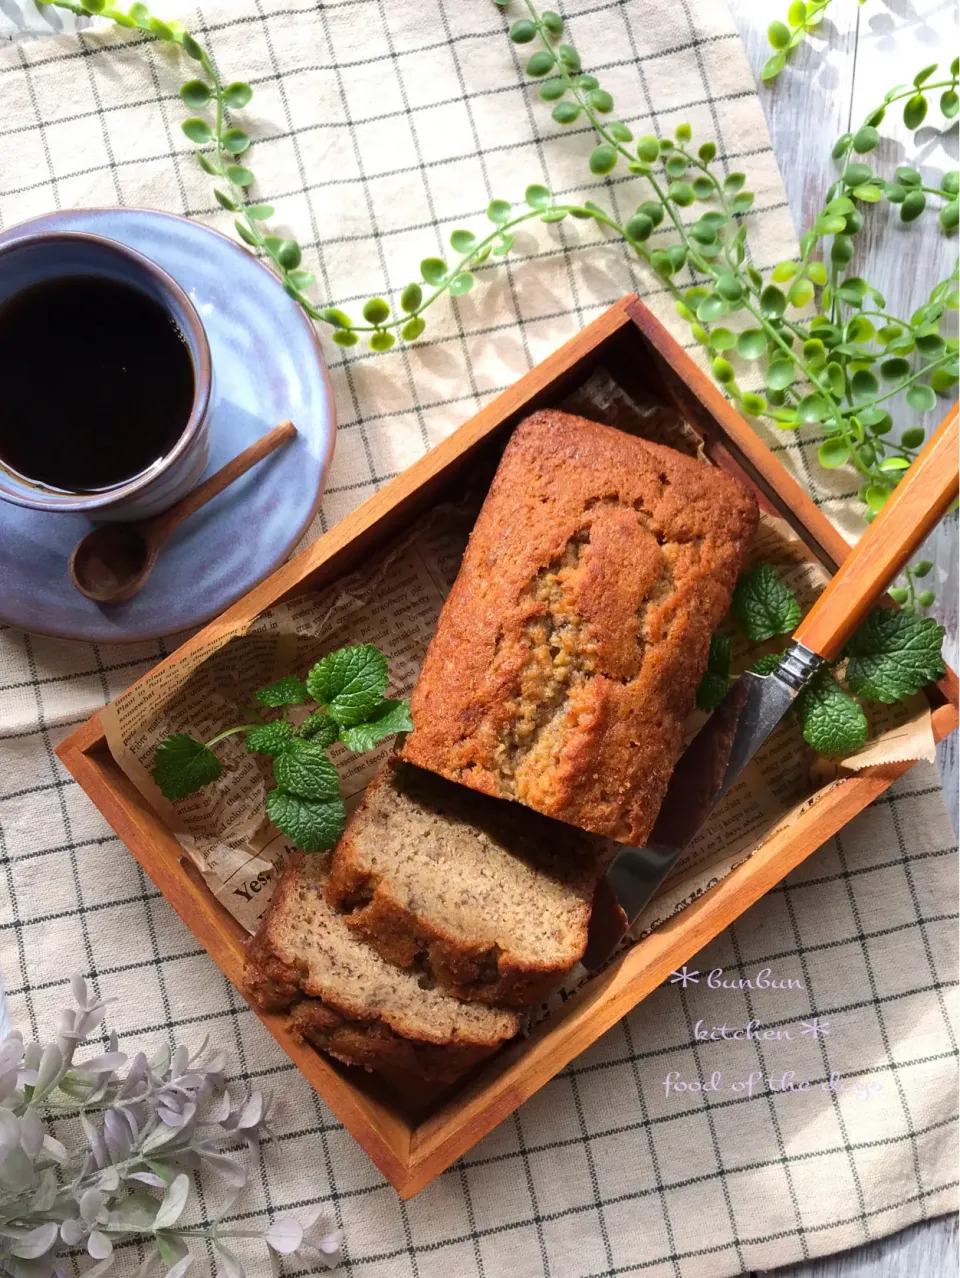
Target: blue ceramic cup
54,255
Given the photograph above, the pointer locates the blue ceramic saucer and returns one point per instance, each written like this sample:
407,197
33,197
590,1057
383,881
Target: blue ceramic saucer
267,367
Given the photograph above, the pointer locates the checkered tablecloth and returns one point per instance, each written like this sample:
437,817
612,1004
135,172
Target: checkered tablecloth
380,126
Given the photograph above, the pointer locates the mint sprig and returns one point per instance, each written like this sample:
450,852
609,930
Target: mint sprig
182,766
764,605
892,656
348,688
831,721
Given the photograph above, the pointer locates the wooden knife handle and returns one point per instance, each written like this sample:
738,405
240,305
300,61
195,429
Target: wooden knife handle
916,507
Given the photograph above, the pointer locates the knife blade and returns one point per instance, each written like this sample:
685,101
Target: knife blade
755,704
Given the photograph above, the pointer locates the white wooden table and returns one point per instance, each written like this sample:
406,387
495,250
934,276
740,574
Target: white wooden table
831,83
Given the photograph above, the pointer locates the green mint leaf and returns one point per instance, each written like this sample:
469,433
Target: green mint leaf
270,738
764,605
766,664
712,690
350,682
310,826
832,722
390,718
288,691
319,728
304,769
893,655
183,765
716,680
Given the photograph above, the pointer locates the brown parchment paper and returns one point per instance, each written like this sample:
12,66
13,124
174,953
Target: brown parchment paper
394,601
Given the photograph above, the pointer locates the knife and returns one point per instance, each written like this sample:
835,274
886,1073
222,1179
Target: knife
755,704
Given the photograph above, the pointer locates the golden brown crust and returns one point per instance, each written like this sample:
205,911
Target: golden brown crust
374,1046
569,651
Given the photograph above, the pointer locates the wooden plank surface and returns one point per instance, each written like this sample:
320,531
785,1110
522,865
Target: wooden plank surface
832,82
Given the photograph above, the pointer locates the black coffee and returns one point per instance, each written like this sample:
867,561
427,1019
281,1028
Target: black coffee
96,383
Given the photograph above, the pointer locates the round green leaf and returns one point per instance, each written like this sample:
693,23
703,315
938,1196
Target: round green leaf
752,343
913,437
813,408
381,341
898,594
711,308
571,60
338,318
538,197
773,66
773,301
864,385
566,112
245,233
801,293
753,405
778,33
950,216
434,270
921,397
260,212
648,149
915,111
865,140
877,496
235,141
376,310
921,568
729,288
618,130
722,370
639,227
926,598
499,211
237,95
552,90
523,31
552,22
722,339
676,165
841,250
780,374
833,453
949,103
225,201
411,297
603,159
461,284
463,241
197,130
239,176
892,370
289,255
681,193
856,174
540,63
195,93
413,328
600,100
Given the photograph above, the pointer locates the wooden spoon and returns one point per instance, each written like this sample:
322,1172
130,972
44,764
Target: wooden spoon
112,563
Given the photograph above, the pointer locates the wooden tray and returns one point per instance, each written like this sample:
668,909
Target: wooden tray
412,1148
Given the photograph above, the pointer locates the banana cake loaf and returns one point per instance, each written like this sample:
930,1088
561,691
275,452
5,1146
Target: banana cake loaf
488,899
568,653
348,1001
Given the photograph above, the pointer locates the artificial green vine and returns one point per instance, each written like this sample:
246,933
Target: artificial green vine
803,16
836,368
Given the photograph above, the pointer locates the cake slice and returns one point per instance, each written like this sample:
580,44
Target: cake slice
348,1001
487,898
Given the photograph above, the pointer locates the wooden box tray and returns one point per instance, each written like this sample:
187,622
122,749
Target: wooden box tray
412,1145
